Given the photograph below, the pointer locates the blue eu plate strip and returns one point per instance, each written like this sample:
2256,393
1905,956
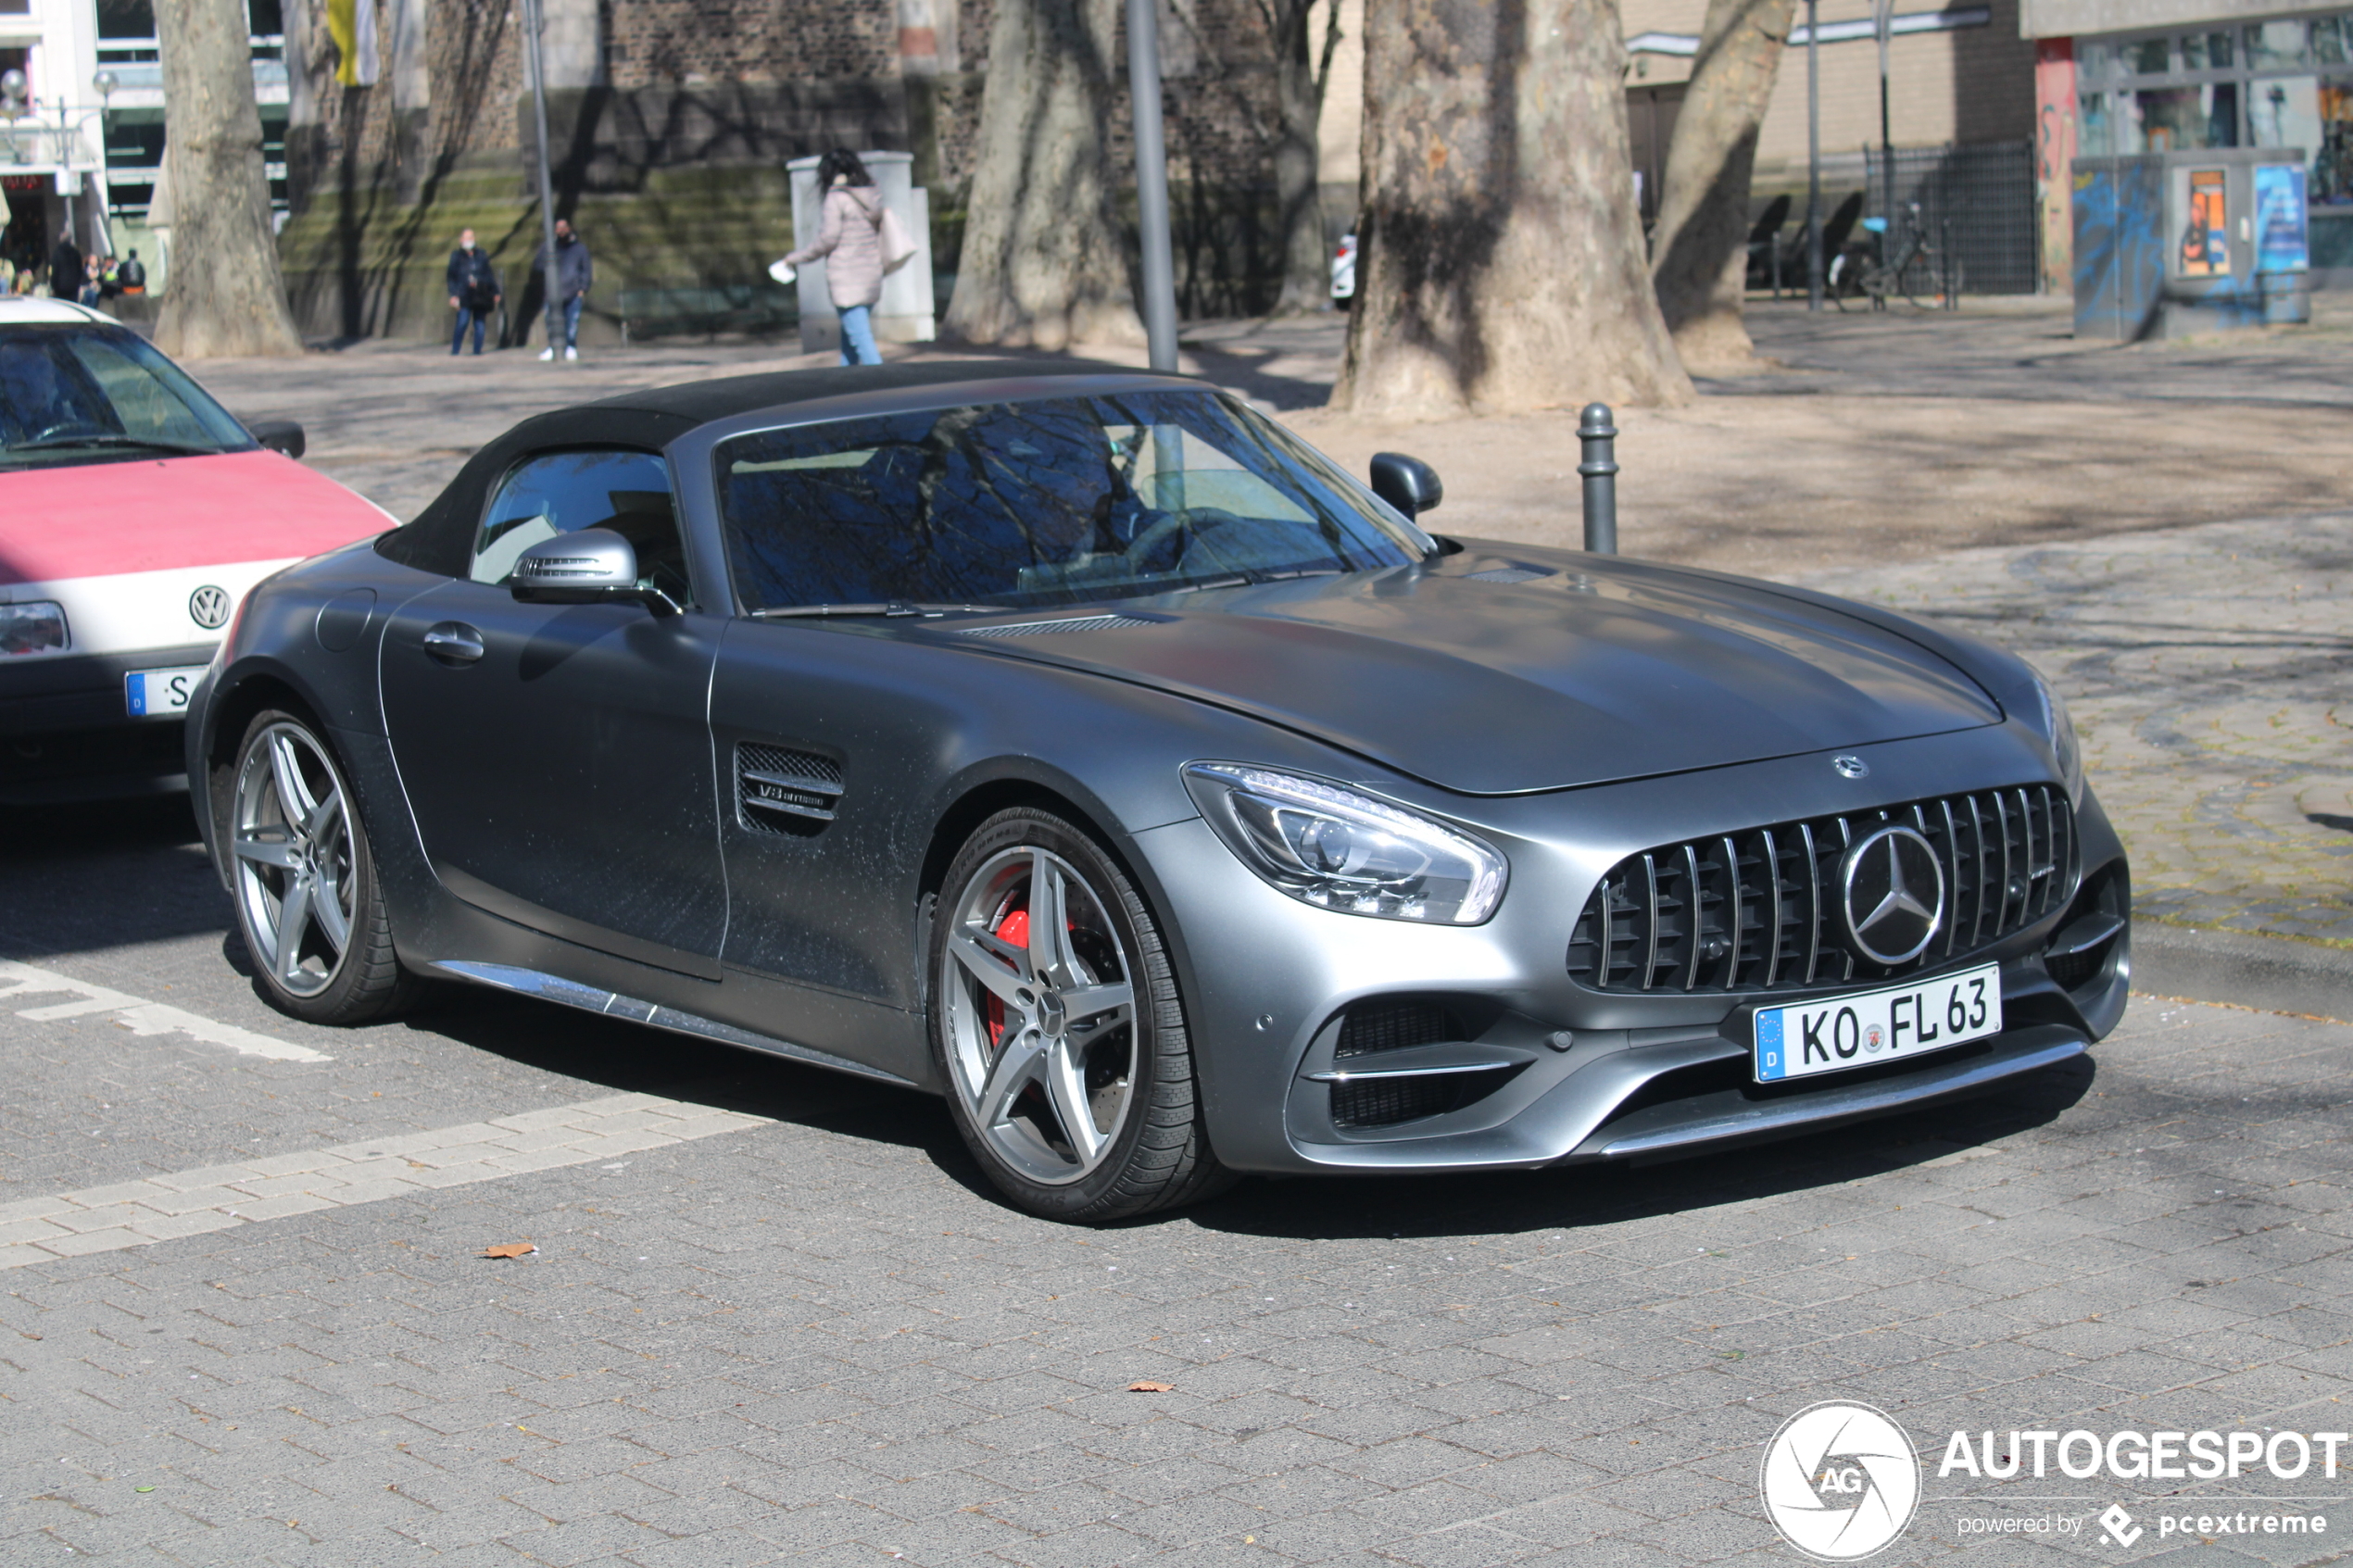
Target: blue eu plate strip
1770,1064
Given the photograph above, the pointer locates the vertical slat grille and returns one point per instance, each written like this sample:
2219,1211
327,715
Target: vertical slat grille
1757,911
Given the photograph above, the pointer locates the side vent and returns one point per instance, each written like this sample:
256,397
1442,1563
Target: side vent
1048,628
785,792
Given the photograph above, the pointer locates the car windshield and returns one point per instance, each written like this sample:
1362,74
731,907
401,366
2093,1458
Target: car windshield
1041,503
75,394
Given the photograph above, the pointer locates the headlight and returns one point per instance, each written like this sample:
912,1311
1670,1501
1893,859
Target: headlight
2059,728
1340,851
36,626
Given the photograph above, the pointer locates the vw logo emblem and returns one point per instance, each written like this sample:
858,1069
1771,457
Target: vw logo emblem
1850,768
1892,892
209,608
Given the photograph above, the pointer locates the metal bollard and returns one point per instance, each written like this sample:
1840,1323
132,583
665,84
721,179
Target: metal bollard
1600,473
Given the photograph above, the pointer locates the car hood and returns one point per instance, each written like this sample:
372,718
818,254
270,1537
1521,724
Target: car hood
147,514
1588,673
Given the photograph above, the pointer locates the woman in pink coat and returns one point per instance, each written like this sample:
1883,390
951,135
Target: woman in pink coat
850,240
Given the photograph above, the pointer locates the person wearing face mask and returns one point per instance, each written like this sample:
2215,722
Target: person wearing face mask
473,290
569,273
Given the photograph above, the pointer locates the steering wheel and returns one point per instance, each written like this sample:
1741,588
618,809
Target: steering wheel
1190,521
68,427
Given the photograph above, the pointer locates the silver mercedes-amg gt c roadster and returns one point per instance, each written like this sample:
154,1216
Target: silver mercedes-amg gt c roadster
1081,746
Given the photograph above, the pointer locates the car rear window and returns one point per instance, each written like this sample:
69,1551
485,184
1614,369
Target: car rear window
76,395
1050,502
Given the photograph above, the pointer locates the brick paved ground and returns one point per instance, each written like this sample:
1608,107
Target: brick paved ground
808,1332
818,1340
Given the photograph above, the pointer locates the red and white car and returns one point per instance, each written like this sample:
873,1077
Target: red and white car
135,514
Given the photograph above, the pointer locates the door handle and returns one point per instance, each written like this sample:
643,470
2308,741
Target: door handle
454,641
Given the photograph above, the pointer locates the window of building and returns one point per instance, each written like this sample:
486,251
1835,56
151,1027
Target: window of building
2265,84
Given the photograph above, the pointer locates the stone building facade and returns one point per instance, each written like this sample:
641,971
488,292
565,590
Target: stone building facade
670,125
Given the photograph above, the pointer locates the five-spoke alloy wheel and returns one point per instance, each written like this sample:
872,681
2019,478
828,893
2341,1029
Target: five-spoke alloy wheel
304,880
1058,1026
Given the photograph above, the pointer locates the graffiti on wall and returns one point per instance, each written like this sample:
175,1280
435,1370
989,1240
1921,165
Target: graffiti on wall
2055,149
2118,238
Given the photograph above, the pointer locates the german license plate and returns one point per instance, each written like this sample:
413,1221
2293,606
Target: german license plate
1838,1033
160,693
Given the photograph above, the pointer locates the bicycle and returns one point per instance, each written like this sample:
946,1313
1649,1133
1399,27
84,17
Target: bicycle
1912,267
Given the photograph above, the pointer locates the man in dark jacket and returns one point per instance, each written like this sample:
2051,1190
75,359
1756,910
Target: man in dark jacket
570,278
473,289
65,269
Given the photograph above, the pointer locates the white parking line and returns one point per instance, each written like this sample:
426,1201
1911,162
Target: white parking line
107,1219
139,1015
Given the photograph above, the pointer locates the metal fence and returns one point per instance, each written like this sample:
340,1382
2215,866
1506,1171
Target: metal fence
1976,201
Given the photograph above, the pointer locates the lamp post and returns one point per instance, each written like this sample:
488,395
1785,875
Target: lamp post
530,27
1883,23
1813,156
1151,183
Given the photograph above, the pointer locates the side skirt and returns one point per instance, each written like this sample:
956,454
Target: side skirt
550,988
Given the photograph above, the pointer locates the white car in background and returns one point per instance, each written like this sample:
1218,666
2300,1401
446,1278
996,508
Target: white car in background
135,515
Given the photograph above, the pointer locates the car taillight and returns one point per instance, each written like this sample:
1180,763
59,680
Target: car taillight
35,626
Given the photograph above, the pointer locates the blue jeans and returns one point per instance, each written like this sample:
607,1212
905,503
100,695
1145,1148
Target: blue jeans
476,319
858,336
572,320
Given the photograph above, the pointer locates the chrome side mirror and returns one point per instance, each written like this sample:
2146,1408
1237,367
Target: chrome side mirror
1407,484
593,566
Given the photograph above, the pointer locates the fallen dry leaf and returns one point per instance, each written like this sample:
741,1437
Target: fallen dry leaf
1146,1386
509,1250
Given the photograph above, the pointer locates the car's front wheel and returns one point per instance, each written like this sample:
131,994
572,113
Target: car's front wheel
1058,1029
304,879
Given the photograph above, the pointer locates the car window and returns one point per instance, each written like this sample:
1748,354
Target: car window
564,492
1056,501
72,395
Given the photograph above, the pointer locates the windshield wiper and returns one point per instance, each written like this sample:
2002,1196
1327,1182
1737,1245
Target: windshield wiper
94,438
892,607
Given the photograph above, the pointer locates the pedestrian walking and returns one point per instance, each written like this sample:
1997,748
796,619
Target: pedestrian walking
849,241
569,273
473,290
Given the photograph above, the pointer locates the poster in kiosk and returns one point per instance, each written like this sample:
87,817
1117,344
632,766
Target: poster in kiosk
2178,243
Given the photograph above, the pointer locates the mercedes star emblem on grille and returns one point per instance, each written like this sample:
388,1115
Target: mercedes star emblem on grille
209,608
1850,767
1892,891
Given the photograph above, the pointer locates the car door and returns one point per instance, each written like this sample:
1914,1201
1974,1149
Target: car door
558,757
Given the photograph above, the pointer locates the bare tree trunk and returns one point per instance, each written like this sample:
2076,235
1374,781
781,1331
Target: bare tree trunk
1302,64
225,295
1700,248
1502,262
1044,264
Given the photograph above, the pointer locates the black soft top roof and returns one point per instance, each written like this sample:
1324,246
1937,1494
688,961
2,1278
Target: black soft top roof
441,538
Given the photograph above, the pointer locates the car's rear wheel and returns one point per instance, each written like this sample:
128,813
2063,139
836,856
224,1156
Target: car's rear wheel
305,880
1058,1029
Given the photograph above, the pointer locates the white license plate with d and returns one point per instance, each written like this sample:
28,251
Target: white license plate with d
1840,1032
160,693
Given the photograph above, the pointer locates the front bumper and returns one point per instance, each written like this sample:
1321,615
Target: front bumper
1536,1070
65,732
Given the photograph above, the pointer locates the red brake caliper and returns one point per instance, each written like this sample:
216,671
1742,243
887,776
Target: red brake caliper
1013,929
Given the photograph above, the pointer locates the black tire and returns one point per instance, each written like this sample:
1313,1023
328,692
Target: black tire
1155,1152
274,860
